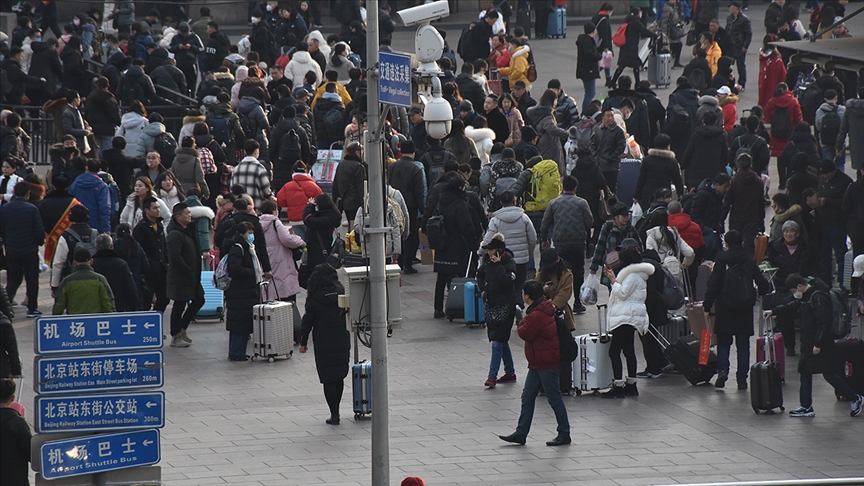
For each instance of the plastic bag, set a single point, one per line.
(589, 289)
(635, 213)
(606, 60)
(634, 148)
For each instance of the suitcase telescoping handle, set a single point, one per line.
(661, 339)
(265, 284)
(601, 309)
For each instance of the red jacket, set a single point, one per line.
(295, 195)
(540, 334)
(772, 71)
(785, 100)
(689, 231)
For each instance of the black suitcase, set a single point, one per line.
(454, 308)
(850, 352)
(684, 355)
(523, 19)
(765, 390)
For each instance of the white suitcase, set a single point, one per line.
(592, 370)
(273, 330)
(660, 70)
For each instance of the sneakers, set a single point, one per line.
(721, 379)
(648, 374)
(856, 406)
(178, 342)
(513, 438)
(802, 412)
(507, 378)
(490, 382)
(742, 385)
(185, 336)
(33, 313)
(670, 368)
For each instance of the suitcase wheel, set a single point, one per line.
(357, 416)
(254, 357)
(577, 391)
(271, 359)
(756, 410)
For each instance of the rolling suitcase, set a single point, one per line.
(676, 328)
(214, 305)
(557, 24)
(684, 355)
(494, 82)
(696, 311)
(659, 70)
(760, 246)
(627, 179)
(851, 354)
(361, 380)
(475, 311)
(766, 392)
(454, 307)
(272, 329)
(777, 343)
(592, 370)
(523, 19)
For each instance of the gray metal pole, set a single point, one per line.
(377, 273)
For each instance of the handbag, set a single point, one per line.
(676, 31)
(692, 36)
(606, 60)
(335, 256)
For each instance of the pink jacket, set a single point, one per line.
(280, 241)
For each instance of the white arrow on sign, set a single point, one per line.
(147, 443)
(149, 363)
(151, 404)
(148, 325)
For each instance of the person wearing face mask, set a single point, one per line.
(812, 303)
(262, 39)
(245, 271)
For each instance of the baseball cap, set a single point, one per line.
(519, 85)
(415, 111)
(724, 90)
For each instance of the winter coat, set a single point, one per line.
(824, 109)
(591, 183)
(587, 57)
(74, 124)
(135, 75)
(332, 342)
(566, 111)
(560, 292)
(730, 321)
(171, 198)
(462, 238)
(498, 123)
(627, 298)
(93, 193)
(84, 292)
(638, 124)
(791, 214)
(656, 112)
(801, 142)
(470, 90)
(116, 272)
(745, 202)
(659, 170)
(18, 80)
(730, 112)
(540, 333)
(283, 163)
(15, 443)
(122, 169)
(549, 134)
(740, 31)
(243, 293)
(184, 263)
(404, 176)
(853, 123)
(259, 125)
(132, 216)
(496, 282)
(570, 219)
(706, 104)
(463, 154)
(75, 76)
(393, 236)
(604, 30)
(611, 236)
(656, 240)
(785, 100)
(10, 360)
(322, 107)
(707, 207)
(833, 191)
(300, 64)
(628, 56)
(759, 151)
(132, 127)
(13, 181)
(216, 50)
(147, 141)
(294, 195)
(705, 155)
(187, 170)
(280, 241)
(483, 140)
(801, 261)
(772, 70)
(684, 100)
(517, 70)
(690, 232)
(607, 145)
(475, 43)
(21, 228)
(320, 225)
(45, 63)
(518, 231)
(816, 313)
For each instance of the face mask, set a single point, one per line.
(798, 295)
(627, 117)
(76, 22)
(250, 239)
(269, 8)
(254, 20)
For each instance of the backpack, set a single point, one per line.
(745, 149)
(73, 239)
(502, 184)
(397, 209)
(841, 318)
(250, 127)
(671, 294)
(435, 231)
(289, 149)
(810, 101)
(166, 145)
(738, 290)
(830, 130)
(220, 128)
(436, 166)
(567, 346)
(221, 279)
(584, 129)
(815, 18)
(620, 37)
(532, 73)
(131, 90)
(545, 185)
(781, 124)
(334, 124)
(697, 79)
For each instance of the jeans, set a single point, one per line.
(237, 344)
(179, 319)
(741, 62)
(18, 269)
(299, 229)
(501, 350)
(805, 392)
(104, 142)
(724, 349)
(574, 256)
(590, 86)
(441, 284)
(548, 379)
(829, 152)
(833, 238)
(622, 341)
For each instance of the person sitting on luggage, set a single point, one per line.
(789, 254)
(731, 288)
(542, 350)
(612, 234)
(495, 277)
(626, 315)
(326, 321)
(243, 293)
(558, 287)
(813, 304)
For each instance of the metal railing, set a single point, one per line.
(789, 482)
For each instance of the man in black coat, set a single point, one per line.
(681, 115)
(216, 48)
(751, 142)
(18, 79)
(227, 229)
(149, 233)
(607, 145)
(744, 202)
(23, 234)
(170, 76)
(832, 189)
(348, 181)
(523, 98)
(121, 166)
(638, 123)
(417, 130)
(656, 111)
(469, 88)
(186, 46)
(184, 273)
(406, 177)
(706, 154)
(476, 41)
(46, 64)
(135, 85)
(116, 271)
(706, 210)
(739, 29)
(15, 439)
(117, 64)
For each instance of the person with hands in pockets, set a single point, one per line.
(813, 304)
(496, 277)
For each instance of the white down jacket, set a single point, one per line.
(483, 138)
(518, 231)
(627, 299)
(300, 64)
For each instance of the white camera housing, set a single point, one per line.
(424, 14)
(438, 114)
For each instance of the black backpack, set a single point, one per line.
(220, 128)
(697, 80)
(781, 124)
(334, 124)
(289, 150)
(746, 148)
(131, 91)
(166, 145)
(738, 290)
(810, 101)
(436, 166)
(830, 130)
(567, 346)
(435, 231)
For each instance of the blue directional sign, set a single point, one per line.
(99, 372)
(100, 413)
(394, 79)
(99, 453)
(98, 332)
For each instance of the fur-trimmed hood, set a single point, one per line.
(729, 100)
(478, 134)
(193, 119)
(202, 212)
(644, 270)
(661, 153)
(790, 213)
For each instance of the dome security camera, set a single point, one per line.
(438, 115)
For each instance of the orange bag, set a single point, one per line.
(761, 244)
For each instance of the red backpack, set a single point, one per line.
(620, 37)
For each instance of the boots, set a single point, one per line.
(630, 388)
(617, 390)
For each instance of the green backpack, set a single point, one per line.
(545, 185)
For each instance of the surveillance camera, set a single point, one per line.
(423, 14)
(438, 114)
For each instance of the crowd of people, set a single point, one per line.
(127, 216)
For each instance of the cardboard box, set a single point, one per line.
(427, 255)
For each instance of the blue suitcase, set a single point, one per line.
(557, 24)
(627, 179)
(361, 378)
(214, 306)
(475, 312)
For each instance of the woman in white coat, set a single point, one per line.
(626, 315)
(133, 213)
(132, 126)
(8, 181)
(675, 254)
(300, 64)
(483, 138)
